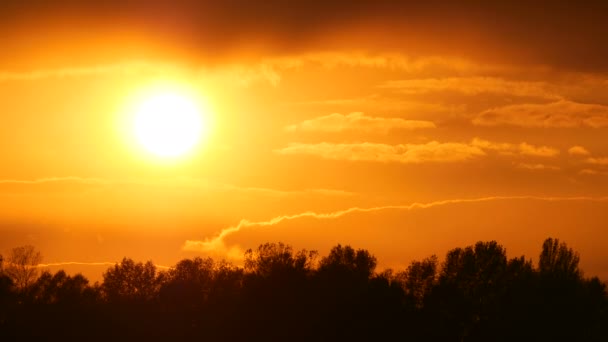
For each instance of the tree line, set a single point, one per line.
(475, 294)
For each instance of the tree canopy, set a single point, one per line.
(476, 293)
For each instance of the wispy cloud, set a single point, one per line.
(356, 122)
(594, 165)
(537, 151)
(537, 167)
(405, 153)
(269, 69)
(47, 180)
(120, 68)
(394, 61)
(578, 151)
(433, 151)
(55, 184)
(602, 161)
(523, 148)
(565, 114)
(473, 86)
(217, 244)
(377, 102)
(593, 172)
(72, 182)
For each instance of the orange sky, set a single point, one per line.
(405, 129)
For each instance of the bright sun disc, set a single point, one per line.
(168, 125)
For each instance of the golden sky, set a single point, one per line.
(403, 128)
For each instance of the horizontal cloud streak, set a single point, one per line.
(56, 180)
(578, 151)
(406, 153)
(213, 29)
(357, 122)
(473, 86)
(523, 148)
(378, 102)
(433, 151)
(593, 172)
(216, 244)
(71, 182)
(537, 167)
(564, 114)
(124, 68)
(603, 161)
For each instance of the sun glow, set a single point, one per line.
(169, 124)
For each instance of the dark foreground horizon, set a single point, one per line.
(475, 294)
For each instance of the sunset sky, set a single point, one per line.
(406, 128)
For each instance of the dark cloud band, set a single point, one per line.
(567, 35)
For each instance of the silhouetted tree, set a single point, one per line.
(276, 279)
(419, 279)
(345, 260)
(6, 298)
(131, 281)
(189, 282)
(21, 265)
(557, 260)
(58, 288)
(344, 293)
(228, 280)
(277, 258)
(561, 291)
(469, 288)
(513, 316)
(282, 294)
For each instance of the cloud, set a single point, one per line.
(432, 151)
(537, 151)
(473, 86)
(68, 179)
(599, 165)
(578, 151)
(216, 244)
(53, 184)
(376, 101)
(120, 68)
(602, 161)
(439, 112)
(565, 114)
(537, 167)
(405, 153)
(523, 148)
(267, 69)
(71, 183)
(357, 122)
(383, 60)
(284, 193)
(215, 29)
(593, 172)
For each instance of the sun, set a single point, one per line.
(169, 124)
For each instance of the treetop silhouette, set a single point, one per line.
(475, 294)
